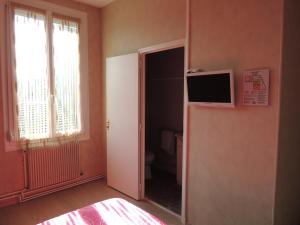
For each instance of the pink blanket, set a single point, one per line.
(113, 211)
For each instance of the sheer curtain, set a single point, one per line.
(47, 73)
(67, 75)
(31, 74)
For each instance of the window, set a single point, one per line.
(32, 107)
(47, 73)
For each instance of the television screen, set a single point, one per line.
(208, 88)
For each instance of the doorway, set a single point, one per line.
(163, 132)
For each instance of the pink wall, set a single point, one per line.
(133, 24)
(93, 157)
(233, 152)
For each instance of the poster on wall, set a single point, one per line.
(256, 87)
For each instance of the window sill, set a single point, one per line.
(12, 146)
(84, 137)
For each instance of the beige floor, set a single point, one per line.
(41, 209)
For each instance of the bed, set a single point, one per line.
(115, 211)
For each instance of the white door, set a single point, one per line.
(122, 99)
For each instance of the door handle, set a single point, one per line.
(107, 124)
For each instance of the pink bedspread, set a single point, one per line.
(113, 211)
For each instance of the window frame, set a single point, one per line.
(12, 143)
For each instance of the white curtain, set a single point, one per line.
(31, 74)
(67, 75)
(40, 117)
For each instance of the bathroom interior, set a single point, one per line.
(164, 128)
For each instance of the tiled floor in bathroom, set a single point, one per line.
(163, 189)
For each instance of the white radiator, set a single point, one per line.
(49, 165)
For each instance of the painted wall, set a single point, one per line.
(11, 164)
(287, 204)
(232, 152)
(133, 24)
(92, 151)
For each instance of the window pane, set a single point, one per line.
(67, 76)
(31, 74)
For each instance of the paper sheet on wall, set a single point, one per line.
(256, 87)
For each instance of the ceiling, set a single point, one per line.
(97, 3)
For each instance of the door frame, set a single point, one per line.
(142, 99)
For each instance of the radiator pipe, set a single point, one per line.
(21, 194)
(25, 163)
(9, 195)
(44, 192)
(40, 192)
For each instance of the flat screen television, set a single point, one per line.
(214, 88)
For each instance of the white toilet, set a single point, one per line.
(149, 158)
(167, 141)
